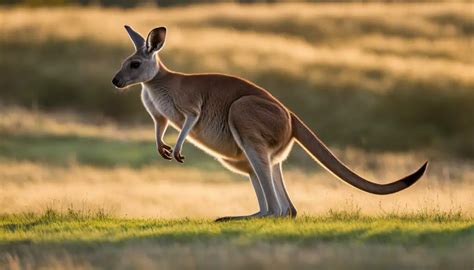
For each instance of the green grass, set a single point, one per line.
(79, 228)
(98, 241)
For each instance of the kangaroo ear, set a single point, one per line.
(136, 38)
(156, 39)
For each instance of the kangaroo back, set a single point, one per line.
(321, 153)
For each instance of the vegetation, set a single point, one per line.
(83, 238)
(97, 227)
(382, 72)
(62, 160)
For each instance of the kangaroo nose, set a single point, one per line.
(115, 81)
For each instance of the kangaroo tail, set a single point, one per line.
(320, 152)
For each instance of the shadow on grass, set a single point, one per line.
(240, 233)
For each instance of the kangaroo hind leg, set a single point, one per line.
(262, 203)
(260, 162)
(287, 207)
(259, 127)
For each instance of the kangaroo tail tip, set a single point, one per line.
(417, 175)
(424, 167)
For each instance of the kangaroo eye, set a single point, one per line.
(135, 64)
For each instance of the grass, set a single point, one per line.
(63, 159)
(178, 192)
(77, 227)
(63, 150)
(381, 70)
(74, 237)
(155, 214)
(63, 138)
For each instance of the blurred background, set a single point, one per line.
(386, 85)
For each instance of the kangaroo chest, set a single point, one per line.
(159, 101)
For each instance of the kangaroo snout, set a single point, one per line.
(117, 82)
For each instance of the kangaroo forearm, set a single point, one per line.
(189, 123)
(161, 124)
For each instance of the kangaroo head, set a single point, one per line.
(143, 64)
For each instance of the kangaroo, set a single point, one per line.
(239, 123)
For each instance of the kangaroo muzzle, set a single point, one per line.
(118, 82)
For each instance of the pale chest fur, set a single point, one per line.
(159, 102)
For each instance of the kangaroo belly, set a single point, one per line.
(215, 138)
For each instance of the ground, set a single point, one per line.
(333, 241)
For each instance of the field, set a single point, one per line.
(387, 86)
(67, 208)
(78, 241)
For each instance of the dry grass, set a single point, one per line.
(18, 121)
(185, 192)
(168, 190)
